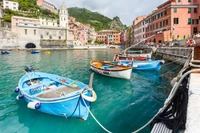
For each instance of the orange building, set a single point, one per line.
(109, 36)
(173, 20)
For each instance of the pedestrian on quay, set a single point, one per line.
(190, 43)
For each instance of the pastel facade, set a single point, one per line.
(46, 5)
(1, 13)
(10, 5)
(139, 29)
(34, 29)
(47, 22)
(173, 20)
(73, 25)
(123, 37)
(109, 36)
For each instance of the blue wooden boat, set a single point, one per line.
(144, 65)
(34, 52)
(5, 52)
(55, 95)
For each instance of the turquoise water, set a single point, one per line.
(122, 106)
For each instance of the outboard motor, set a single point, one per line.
(28, 69)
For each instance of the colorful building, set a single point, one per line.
(109, 36)
(43, 29)
(173, 20)
(46, 5)
(123, 38)
(139, 29)
(10, 5)
(1, 13)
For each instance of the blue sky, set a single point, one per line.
(127, 10)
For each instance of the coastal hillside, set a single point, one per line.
(98, 21)
(82, 15)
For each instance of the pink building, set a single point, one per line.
(139, 29)
(82, 35)
(173, 20)
(46, 5)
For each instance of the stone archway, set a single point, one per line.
(30, 45)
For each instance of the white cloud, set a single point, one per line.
(127, 10)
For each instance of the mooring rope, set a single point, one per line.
(95, 117)
(168, 100)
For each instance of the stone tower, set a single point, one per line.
(63, 16)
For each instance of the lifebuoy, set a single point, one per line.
(93, 98)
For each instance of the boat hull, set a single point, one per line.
(69, 107)
(54, 95)
(126, 74)
(146, 65)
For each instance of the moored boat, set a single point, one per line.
(34, 52)
(5, 52)
(145, 65)
(111, 69)
(124, 57)
(55, 95)
(47, 52)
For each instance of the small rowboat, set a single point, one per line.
(5, 52)
(111, 70)
(47, 52)
(55, 95)
(145, 65)
(34, 52)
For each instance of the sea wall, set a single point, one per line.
(175, 54)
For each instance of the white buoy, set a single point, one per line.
(34, 105)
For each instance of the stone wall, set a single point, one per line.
(53, 44)
(176, 54)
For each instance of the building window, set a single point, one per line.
(46, 23)
(160, 24)
(59, 37)
(179, 0)
(50, 37)
(34, 32)
(42, 23)
(195, 10)
(25, 31)
(167, 22)
(189, 0)
(163, 23)
(156, 25)
(189, 10)
(175, 20)
(175, 10)
(189, 20)
(41, 36)
(165, 12)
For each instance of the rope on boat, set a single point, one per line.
(171, 62)
(95, 117)
(171, 95)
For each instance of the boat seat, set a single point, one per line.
(160, 128)
(58, 92)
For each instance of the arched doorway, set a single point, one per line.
(30, 45)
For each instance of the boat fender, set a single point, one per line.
(20, 96)
(34, 105)
(162, 61)
(17, 89)
(88, 98)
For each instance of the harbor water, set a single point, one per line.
(122, 106)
